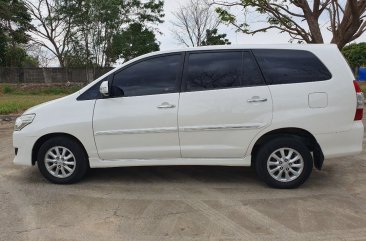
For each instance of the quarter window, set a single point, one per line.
(290, 66)
(148, 77)
(93, 92)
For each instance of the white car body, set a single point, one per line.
(213, 127)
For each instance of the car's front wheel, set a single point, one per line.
(284, 162)
(62, 160)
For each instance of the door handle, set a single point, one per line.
(256, 99)
(166, 105)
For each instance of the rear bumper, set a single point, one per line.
(24, 144)
(343, 143)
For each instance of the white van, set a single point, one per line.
(279, 108)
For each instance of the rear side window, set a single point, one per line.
(214, 70)
(290, 66)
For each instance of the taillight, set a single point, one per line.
(360, 101)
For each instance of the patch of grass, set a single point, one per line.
(13, 104)
(16, 98)
(52, 90)
(39, 89)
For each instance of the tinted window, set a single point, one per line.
(291, 66)
(148, 77)
(252, 75)
(213, 70)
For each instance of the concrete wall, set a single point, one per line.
(50, 75)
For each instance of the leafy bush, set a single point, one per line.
(355, 54)
(7, 89)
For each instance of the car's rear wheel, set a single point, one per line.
(62, 160)
(284, 162)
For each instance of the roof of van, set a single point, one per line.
(254, 46)
(311, 47)
(249, 46)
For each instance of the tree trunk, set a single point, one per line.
(61, 61)
(350, 24)
(316, 35)
(312, 19)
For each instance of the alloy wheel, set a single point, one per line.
(285, 164)
(60, 162)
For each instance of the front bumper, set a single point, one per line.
(24, 144)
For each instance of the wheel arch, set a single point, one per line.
(301, 134)
(37, 145)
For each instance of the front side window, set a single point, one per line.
(213, 70)
(290, 66)
(157, 75)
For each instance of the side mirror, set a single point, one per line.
(104, 89)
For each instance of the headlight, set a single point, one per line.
(23, 121)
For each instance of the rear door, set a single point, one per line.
(223, 105)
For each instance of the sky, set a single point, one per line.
(167, 40)
(271, 37)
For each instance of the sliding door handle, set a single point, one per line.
(256, 99)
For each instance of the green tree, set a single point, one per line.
(213, 38)
(14, 24)
(355, 55)
(96, 24)
(15, 56)
(76, 56)
(132, 42)
(302, 20)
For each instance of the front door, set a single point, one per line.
(223, 105)
(140, 120)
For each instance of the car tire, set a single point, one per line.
(284, 162)
(62, 160)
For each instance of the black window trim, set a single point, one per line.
(242, 51)
(178, 77)
(264, 81)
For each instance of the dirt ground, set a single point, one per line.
(181, 203)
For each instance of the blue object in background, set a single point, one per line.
(362, 74)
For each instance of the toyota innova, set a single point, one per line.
(280, 108)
